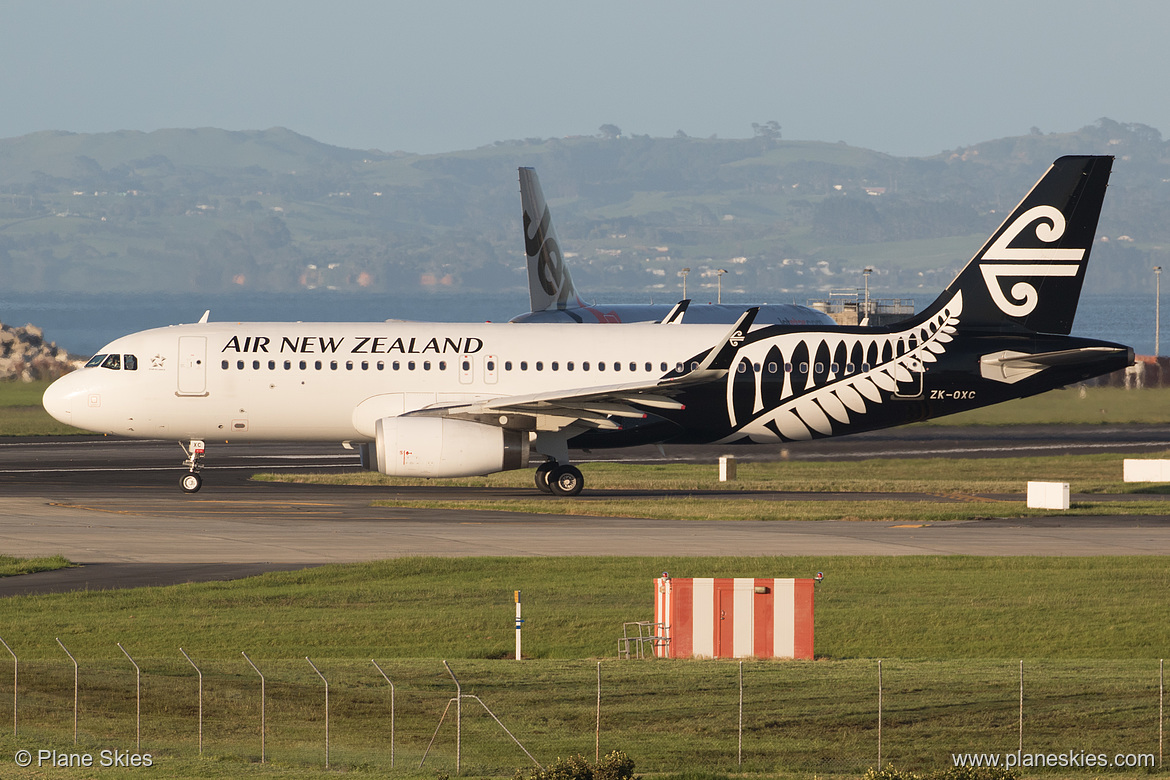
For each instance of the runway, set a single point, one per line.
(115, 505)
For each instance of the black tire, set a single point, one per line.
(566, 480)
(542, 473)
(191, 482)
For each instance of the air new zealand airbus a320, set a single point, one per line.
(455, 399)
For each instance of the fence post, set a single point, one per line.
(184, 652)
(15, 674)
(1021, 705)
(597, 731)
(879, 761)
(137, 700)
(74, 660)
(375, 663)
(741, 713)
(458, 718)
(262, 724)
(318, 671)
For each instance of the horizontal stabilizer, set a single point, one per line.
(1011, 367)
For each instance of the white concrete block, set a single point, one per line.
(1048, 495)
(1134, 470)
(726, 468)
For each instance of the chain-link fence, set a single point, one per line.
(491, 717)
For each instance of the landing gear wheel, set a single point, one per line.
(191, 483)
(542, 474)
(566, 480)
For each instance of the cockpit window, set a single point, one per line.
(113, 362)
(96, 360)
(130, 362)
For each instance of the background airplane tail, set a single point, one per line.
(1029, 273)
(549, 284)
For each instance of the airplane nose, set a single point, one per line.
(59, 398)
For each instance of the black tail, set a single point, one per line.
(1029, 273)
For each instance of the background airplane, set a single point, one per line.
(554, 298)
(454, 399)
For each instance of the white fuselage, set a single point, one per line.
(332, 381)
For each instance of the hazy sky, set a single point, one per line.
(907, 77)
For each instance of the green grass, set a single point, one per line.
(11, 566)
(951, 632)
(21, 413)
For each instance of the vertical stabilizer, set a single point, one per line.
(549, 284)
(1029, 273)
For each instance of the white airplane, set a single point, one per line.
(446, 400)
(554, 298)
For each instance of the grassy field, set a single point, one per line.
(951, 632)
(10, 566)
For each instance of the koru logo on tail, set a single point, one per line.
(1028, 261)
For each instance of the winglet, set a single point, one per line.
(721, 356)
(675, 315)
(205, 317)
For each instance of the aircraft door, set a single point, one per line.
(192, 365)
(912, 390)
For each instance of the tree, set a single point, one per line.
(610, 131)
(769, 130)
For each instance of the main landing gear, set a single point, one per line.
(559, 479)
(191, 481)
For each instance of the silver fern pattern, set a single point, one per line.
(797, 387)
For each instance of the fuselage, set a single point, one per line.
(330, 381)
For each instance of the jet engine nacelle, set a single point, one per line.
(442, 447)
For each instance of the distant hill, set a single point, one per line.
(212, 210)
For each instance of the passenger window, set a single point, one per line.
(255, 365)
(787, 368)
(317, 364)
(332, 365)
(742, 368)
(426, 365)
(772, 368)
(396, 365)
(96, 360)
(694, 365)
(365, 365)
(303, 365)
(523, 365)
(663, 367)
(240, 365)
(617, 366)
(834, 368)
(678, 367)
(556, 366)
(381, 366)
(540, 365)
(507, 365)
(601, 365)
(130, 362)
(804, 368)
(349, 365)
(442, 365)
(585, 366)
(287, 365)
(410, 365)
(649, 366)
(491, 365)
(569, 366)
(113, 362)
(633, 366)
(224, 365)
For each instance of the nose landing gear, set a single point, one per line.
(191, 481)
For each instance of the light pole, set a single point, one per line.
(683, 273)
(719, 283)
(868, 270)
(1157, 309)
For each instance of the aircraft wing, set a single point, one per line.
(595, 406)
